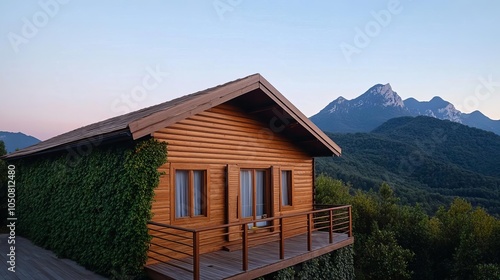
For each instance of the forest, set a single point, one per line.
(425, 160)
(396, 241)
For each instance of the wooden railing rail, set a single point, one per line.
(335, 220)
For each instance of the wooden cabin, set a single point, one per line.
(236, 198)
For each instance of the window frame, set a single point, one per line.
(291, 190)
(174, 167)
(268, 187)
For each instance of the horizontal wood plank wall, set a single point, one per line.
(227, 135)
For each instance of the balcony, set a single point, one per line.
(206, 253)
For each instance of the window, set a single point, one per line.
(286, 188)
(255, 195)
(190, 193)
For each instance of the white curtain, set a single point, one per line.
(260, 184)
(181, 193)
(285, 188)
(199, 203)
(246, 193)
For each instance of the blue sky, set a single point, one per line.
(65, 64)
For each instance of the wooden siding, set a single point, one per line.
(226, 136)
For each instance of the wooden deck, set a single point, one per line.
(263, 259)
(33, 262)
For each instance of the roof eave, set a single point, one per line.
(219, 95)
(279, 98)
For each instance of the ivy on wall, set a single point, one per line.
(96, 212)
(338, 265)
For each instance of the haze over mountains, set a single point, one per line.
(16, 140)
(380, 104)
(426, 160)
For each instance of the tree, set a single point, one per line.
(330, 191)
(3, 151)
(383, 258)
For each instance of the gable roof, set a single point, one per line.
(265, 98)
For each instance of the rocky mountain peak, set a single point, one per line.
(380, 103)
(383, 95)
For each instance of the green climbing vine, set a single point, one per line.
(96, 211)
(338, 265)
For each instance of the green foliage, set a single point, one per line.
(394, 241)
(487, 272)
(3, 151)
(330, 191)
(337, 265)
(383, 258)
(342, 263)
(96, 212)
(285, 274)
(466, 238)
(425, 160)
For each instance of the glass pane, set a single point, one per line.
(286, 187)
(181, 193)
(246, 193)
(199, 191)
(260, 184)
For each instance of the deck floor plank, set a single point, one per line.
(227, 264)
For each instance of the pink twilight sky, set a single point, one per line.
(66, 64)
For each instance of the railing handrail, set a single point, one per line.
(208, 228)
(311, 225)
(170, 226)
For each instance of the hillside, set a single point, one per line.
(426, 160)
(16, 140)
(380, 104)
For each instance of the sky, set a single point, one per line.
(65, 64)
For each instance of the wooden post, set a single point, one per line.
(245, 247)
(282, 240)
(330, 232)
(196, 255)
(309, 231)
(350, 221)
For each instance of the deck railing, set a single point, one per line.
(186, 242)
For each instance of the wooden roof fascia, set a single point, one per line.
(144, 122)
(93, 141)
(294, 112)
(159, 120)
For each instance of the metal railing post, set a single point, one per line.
(350, 221)
(245, 247)
(330, 231)
(196, 255)
(309, 231)
(282, 240)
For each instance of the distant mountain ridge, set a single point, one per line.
(426, 160)
(17, 140)
(380, 103)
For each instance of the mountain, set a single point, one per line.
(427, 160)
(380, 103)
(364, 113)
(16, 140)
